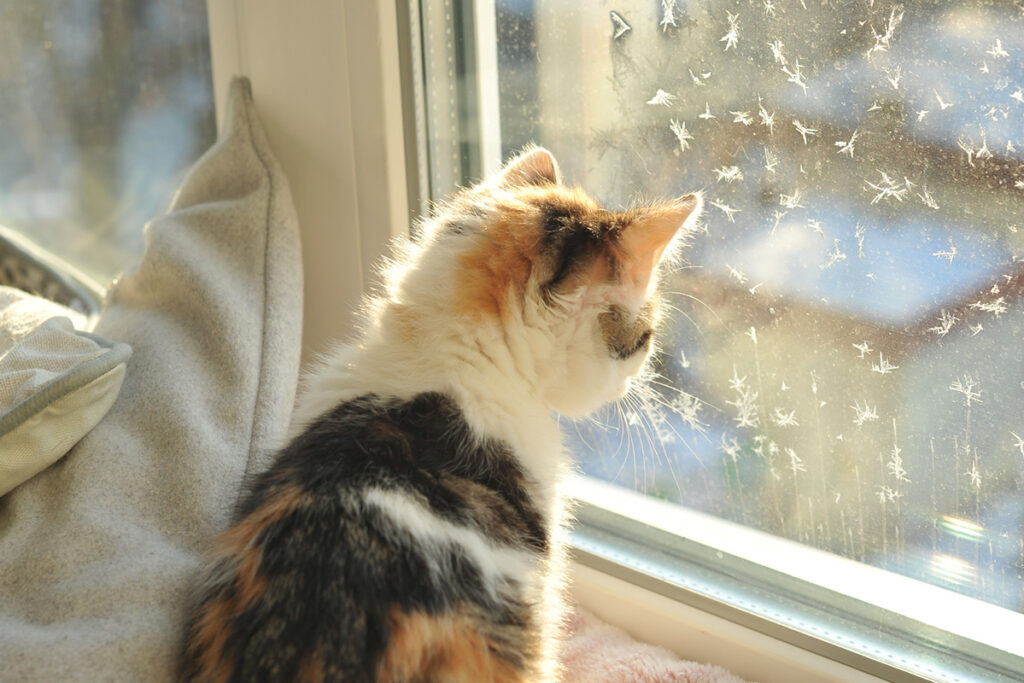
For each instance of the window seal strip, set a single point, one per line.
(814, 618)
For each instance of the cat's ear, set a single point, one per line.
(644, 240)
(534, 166)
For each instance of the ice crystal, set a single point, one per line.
(882, 41)
(795, 463)
(863, 348)
(972, 151)
(846, 146)
(729, 174)
(974, 475)
(707, 115)
(682, 135)
(791, 201)
(1020, 443)
(887, 495)
(887, 188)
(858, 233)
(864, 413)
(795, 76)
(776, 48)
(803, 130)
(767, 120)
(731, 448)
(997, 50)
(997, 307)
(771, 160)
(687, 408)
(668, 17)
(926, 197)
(949, 254)
(745, 403)
(663, 98)
(619, 25)
(1018, 95)
(942, 105)
(834, 256)
(894, 77)
(783, 419)
(726, 209)
(742, 117)
(732, 37)
(895, 465)
(966, 385)
(769, 7)
(736, 274)
(883, 367)
(946, 322)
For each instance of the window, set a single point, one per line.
(841, 391)
(104, 106)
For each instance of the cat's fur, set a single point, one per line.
(411, 529)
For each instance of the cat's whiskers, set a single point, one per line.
(698, 300)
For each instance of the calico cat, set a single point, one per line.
(411, 530)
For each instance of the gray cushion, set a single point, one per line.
(97, 553)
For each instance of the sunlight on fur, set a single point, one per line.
(429, 445)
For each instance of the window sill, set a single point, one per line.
(680, 574)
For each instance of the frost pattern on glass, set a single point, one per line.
(845, 359)
(103, 106)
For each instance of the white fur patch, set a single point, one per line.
(497, 564)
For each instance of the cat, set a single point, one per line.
(412, 527)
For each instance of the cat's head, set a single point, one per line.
(567, 289)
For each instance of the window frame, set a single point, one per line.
(332, 86)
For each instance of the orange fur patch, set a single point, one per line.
(498, 266)
(214, 621)
(311, 670)
(443, 647)
(283, 500)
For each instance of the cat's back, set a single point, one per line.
(386, 543)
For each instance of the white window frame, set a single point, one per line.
(327, 80)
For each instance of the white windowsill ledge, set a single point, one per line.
(657, 619)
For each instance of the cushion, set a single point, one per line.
(597, 652)
(56, 383)
(98, 553)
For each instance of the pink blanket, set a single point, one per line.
(599, 653)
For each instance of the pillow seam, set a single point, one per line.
(64, 384)
(271, 188)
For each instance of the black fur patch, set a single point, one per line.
(573, 237)
(332, 568)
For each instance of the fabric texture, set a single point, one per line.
(56, 383)
(99, 551)
(599, 653)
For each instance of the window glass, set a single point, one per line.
(844, 363)
(104, 105)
